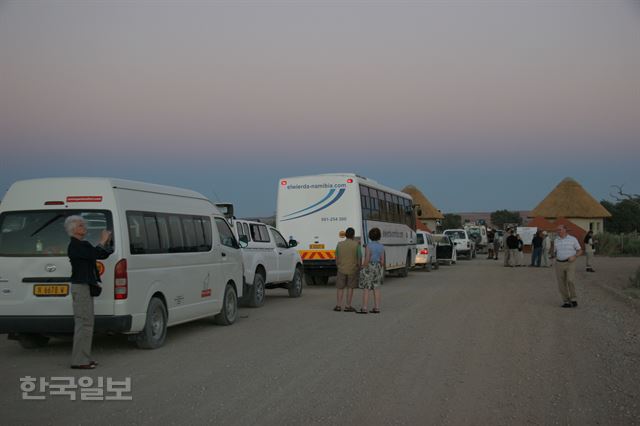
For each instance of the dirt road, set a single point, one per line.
(469, 344)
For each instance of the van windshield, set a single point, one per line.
(41, 233)
(419, 239)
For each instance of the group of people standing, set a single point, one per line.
(356, 271)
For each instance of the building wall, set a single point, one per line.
(595, 224)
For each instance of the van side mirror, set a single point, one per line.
(292, 243)
(242, 243)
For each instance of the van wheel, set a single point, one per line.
(295, 286)
(33, 341)
(154, 332)
(229, 312)
(257, 291)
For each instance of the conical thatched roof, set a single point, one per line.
(428, 210)
(569, 199)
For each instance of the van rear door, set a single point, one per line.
(34, 267)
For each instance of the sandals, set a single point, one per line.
(349, 309)
(337, 308)
(375, 311)
(361, 311)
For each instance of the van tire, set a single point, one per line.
(154, 332)
(295, 286)
(33, 340)
(229, 312)
(257, 291)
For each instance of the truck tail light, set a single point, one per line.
(424, 251)
(120, 281)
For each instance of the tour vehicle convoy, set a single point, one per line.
(425, 251)
(269, 261)
(175, 258)
(463, 243)
(316, 211)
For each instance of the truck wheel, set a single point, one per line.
(257, 291)
(154, 332)
(295, 286)
(33, 340)
(229, 312)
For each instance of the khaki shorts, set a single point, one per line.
(344, 280)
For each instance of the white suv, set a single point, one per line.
(269, 261)
(465, 246)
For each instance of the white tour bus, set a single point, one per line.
(175, 258)
(316, 210)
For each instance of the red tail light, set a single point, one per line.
(120, 281)
(424, 251)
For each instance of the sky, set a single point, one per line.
(483, 105)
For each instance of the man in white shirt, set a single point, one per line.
(566, 249)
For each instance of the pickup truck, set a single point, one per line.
(463, 243)
(269, 261)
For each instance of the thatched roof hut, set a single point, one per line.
(428, 209)
(571, 201)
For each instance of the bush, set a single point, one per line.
(618, 245)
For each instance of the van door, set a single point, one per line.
(35, 273)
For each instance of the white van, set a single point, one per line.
(175, 258)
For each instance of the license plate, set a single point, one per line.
(51, 290)
(316, 246)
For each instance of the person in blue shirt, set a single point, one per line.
(372, 272)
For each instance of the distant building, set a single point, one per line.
(571, 201)
(430, 216)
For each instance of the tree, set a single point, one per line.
(625, 216)
(451, 221)
(500, 217)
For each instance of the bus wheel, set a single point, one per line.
(404, 272)
(154, 332)
(33, 341)
(295, 286)
(229, 312)
(256, 293)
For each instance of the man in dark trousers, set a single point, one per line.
(536, 253)
(512, 246)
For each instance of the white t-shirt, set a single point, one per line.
(566, 247)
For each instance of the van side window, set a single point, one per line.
(189, 233)
(151, 233)
(246, 231)
(226, 236)
(206, 224)
(137, 239)
(176, 234)
(153, 237)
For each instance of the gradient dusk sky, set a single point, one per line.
(483, 105)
